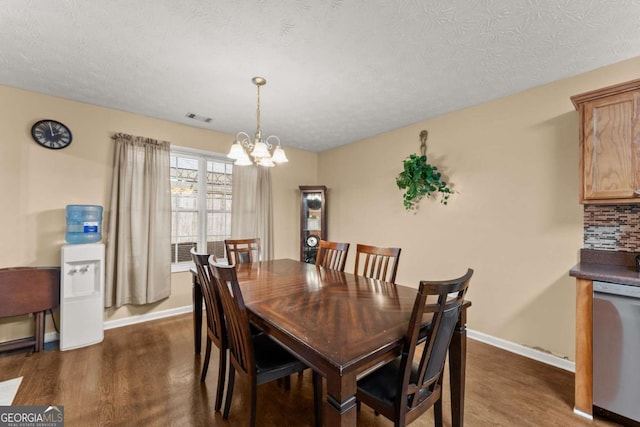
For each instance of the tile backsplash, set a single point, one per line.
(612, 227)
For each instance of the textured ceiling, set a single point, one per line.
(337, 71)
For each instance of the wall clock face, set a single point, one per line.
(312, 241)
(51, 134)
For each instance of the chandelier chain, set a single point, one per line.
(259, 130)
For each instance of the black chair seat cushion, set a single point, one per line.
(273, 361)
(382, 384)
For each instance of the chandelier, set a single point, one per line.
(259, 148)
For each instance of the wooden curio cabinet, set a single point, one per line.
(610, 144)
(313, 220)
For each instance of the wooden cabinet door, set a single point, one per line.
(313, 220)
(611, 148)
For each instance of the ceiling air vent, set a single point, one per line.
(198, 117)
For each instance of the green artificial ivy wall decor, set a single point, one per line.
(419, 179)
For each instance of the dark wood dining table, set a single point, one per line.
(340, 324)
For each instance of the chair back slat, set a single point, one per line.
(237, 318)
(243, 251)
(418, 384)
(377, 263)
(214, 314)
(332, 255)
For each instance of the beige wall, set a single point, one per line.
(515, 217)
(36, 184)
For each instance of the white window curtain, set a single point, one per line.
(252, 207)
(138, 259)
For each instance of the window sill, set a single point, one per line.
(187, 266)
(182, 267)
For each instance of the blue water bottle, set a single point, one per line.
(84, 224)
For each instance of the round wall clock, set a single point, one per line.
(51, 134)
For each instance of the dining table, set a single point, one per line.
(340, 324)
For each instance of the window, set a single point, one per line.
(200, 204)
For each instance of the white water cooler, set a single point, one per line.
(81, 295)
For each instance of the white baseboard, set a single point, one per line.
(583, 414)
(51, 337)
(522, 350)
(132, 320)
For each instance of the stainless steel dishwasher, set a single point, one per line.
(616, 350)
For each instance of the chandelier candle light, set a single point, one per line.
(260, 148)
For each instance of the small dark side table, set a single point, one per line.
(25, 290)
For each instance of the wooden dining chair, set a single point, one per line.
(257, 357)
(377, 263)
(332, 255)
(402, 390)
(243, 251)
(216, 331)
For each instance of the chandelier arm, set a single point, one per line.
(245, 140)
(244, 134)
(269, 145)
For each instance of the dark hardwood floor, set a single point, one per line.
(148, 375)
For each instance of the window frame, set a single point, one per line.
(202, 156)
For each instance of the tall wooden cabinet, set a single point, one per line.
(313, 220)
(610, 144)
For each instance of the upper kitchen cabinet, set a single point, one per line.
(610, 144)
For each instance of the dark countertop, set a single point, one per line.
(607, 266)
